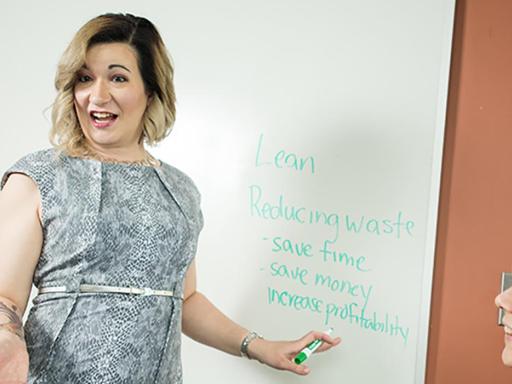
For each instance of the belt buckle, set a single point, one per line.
(147, 291)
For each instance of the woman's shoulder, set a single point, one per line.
(39, 165)
(178, 177)
(184, 190)
(39, 158)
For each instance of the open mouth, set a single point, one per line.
(102, 119)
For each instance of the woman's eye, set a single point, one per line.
(119, 79)
(83, 78)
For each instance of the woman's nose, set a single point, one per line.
(100, 93)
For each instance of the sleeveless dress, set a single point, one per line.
(109, 224)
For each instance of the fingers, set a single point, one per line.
(281, 354)
(314, 335)
(326, 346)
(327, 341)
(301, 369)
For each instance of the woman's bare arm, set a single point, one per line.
(200, 317)
(203, 322)
(21, 238)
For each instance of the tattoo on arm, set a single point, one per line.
(13, 323)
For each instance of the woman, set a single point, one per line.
(504, 300)
(107, 232)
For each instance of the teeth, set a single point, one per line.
(508, 330)
(102, 115)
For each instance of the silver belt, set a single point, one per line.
(91, 288)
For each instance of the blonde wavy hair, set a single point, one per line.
(154, 65)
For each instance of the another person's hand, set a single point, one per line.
(280, 354)
(13, 359)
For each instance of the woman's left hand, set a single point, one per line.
(280, 354)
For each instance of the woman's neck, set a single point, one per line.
(135, 153)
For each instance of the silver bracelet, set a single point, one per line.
(246, 341)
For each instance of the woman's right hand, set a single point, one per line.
(13, 359)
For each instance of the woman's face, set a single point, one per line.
(110, 99)
(504, 300)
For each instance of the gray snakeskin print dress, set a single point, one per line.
(109, 224)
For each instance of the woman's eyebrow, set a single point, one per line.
(110, 67)
(118, 65)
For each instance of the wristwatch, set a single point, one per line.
(246, 341)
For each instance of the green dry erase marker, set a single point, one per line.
(312, 347)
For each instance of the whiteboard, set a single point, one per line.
(314, 131)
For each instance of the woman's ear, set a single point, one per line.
(150, 99)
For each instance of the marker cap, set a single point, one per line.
(312, 347)
(299, 359)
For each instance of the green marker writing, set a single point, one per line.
(312, 347)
